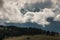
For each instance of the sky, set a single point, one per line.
(31, 12)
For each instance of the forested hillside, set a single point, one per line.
(13, 31)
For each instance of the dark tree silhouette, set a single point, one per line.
(57, 33)
(2, 36)
(10, 31)
(52, 33)
(48, 33)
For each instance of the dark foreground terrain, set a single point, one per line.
(35, 37)
(18, 33)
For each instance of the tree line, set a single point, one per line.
(10, 31)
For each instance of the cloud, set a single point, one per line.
(57, 18)
(35, 12)
(1, 3)
(41, 17)
(36, 7)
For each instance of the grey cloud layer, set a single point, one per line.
(36, 7)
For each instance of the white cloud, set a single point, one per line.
(57, 18)
(41, 17)
(11, 13)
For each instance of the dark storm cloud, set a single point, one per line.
(36, 7)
